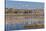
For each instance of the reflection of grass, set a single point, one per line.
(34, 26)
(38, 18)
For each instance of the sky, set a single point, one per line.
(29, 0)
(24, 4)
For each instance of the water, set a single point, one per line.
(14, 26)
(20, 25)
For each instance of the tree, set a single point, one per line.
(9, 10)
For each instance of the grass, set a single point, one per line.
(34, 26)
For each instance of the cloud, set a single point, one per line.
(25, 5)
(29, 0)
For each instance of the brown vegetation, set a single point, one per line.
(34, 26)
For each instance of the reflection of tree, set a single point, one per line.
(39, 22)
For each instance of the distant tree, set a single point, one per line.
(30, 11)
(6, 9)
(9, 10)
(26, 11)
(15, 12)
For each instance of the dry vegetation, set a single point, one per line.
(34, 26)
(19, 14)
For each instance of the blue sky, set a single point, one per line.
(24, 4)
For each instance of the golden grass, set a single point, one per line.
(34, 26)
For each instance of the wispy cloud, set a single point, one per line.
(29, 0)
